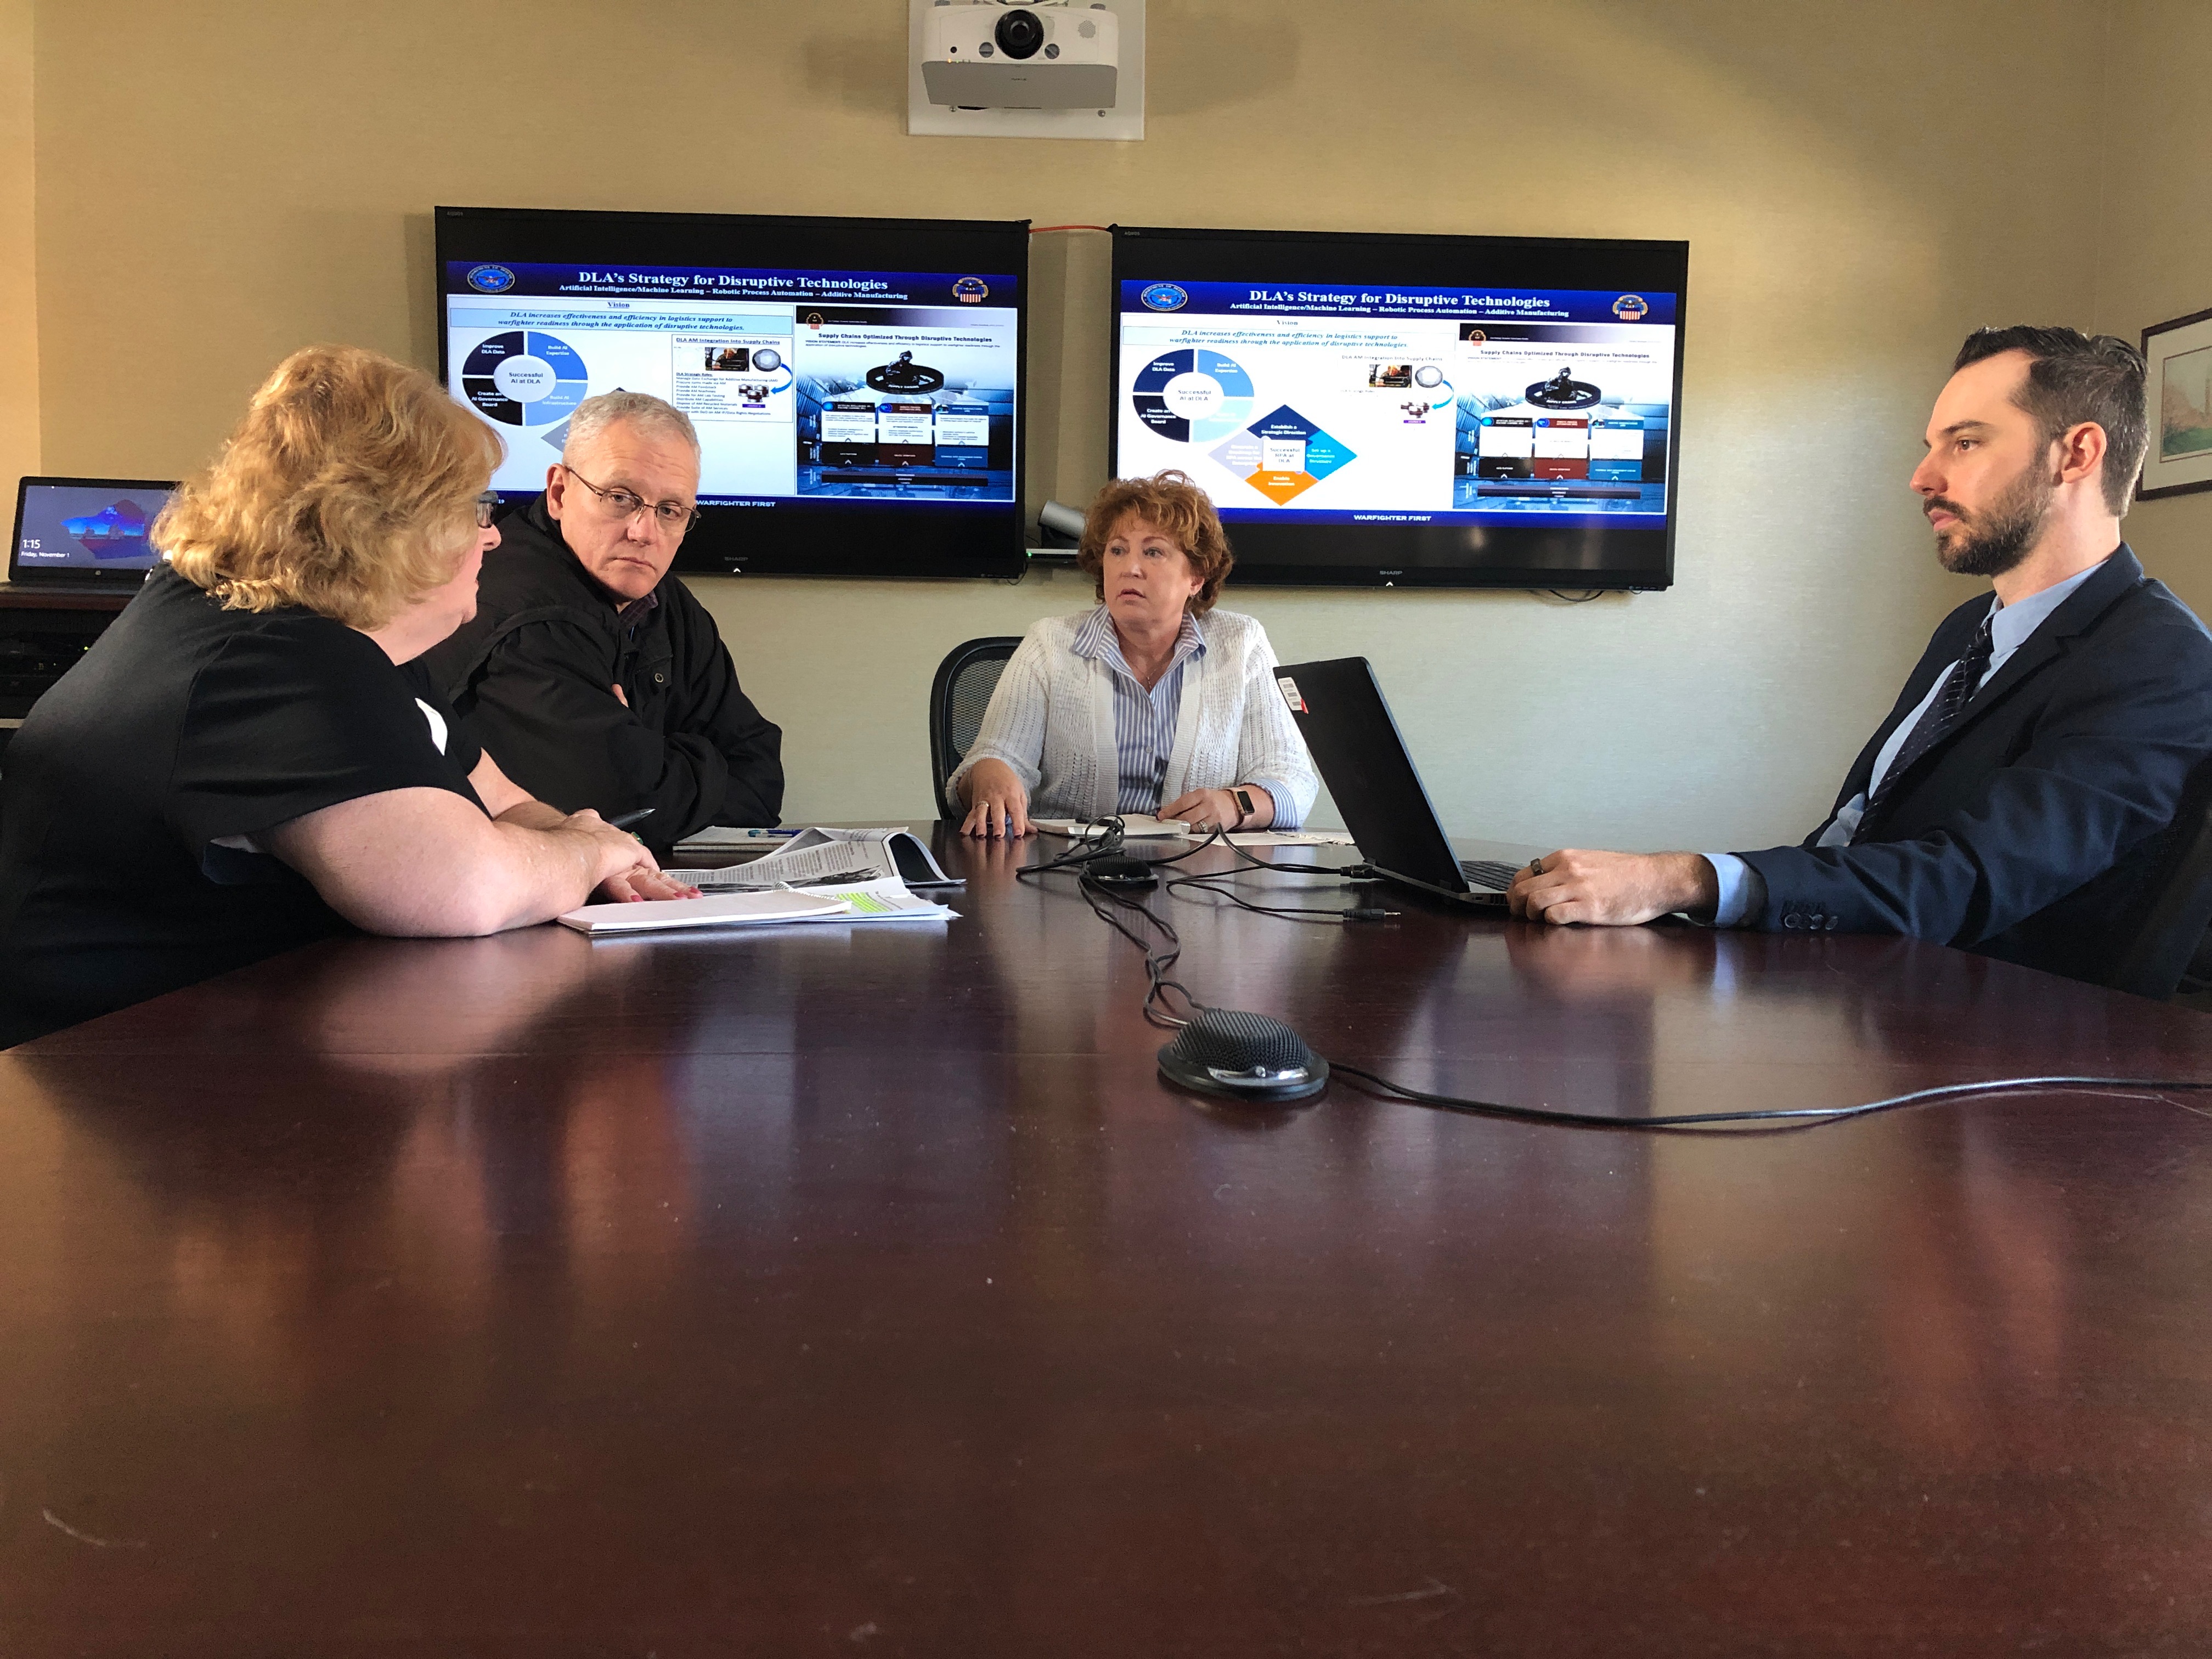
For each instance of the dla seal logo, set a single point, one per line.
(491, 279)
(1630, 308)
(1164, 296)
(970, 290)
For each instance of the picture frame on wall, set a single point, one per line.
(2179, 354)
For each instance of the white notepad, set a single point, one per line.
(1135, 826)
(715, 910)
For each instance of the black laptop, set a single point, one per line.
(85, 535)
(1346, 725)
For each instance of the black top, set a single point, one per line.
(532, 676)
(184, 726)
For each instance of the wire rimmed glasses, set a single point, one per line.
(625, 505)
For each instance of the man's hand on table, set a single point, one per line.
(1617, 890)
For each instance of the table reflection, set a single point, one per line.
(669, 1273)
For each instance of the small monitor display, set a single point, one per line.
(86, 527)
(855, 383)
(1449, 410)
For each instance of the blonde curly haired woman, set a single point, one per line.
(241, 764)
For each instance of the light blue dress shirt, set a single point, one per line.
(1743, 890)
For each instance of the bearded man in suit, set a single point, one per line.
(2017, 796)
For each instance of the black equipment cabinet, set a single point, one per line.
(42, 636)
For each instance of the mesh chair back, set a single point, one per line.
(966, 680)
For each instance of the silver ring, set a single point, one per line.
(1535, 866)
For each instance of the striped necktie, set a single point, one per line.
(1936, 724)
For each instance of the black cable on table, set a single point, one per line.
(1104, 901)
(1802, 1117)
(1313, 914)
(1784, 1118)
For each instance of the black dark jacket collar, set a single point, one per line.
(2076, 614)
(2081, 610)
(541, 536)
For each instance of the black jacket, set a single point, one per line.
(532, 679)
(2037, 819)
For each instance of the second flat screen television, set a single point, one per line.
(1466, 411)
(855, 383)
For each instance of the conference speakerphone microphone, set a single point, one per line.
(1239, 1055)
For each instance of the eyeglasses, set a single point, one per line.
(625, 505)
(486, 504)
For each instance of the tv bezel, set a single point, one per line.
(1433, 555)
(848, 540)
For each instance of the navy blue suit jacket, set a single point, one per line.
(2039, 815)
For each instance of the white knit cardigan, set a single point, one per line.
(1051, 718)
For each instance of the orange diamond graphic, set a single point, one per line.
(1279, 487)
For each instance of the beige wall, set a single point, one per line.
(1860, 183)
(18, 309)
(2155, 243)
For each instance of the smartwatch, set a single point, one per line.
(1244, 799)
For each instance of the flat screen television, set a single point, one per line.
(856, 382)
(1442, 411)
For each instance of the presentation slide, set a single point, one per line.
(73, 527)
(905, 392)
(1380, 404)
(881, 385)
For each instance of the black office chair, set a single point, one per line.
(966, 680)
(2162, 944)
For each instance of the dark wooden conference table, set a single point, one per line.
(852, 1290)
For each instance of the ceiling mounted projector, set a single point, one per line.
(989, 55)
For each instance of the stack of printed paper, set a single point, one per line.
(815, 856)
(710, 910)
(887, 900)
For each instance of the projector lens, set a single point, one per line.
(1018, 35)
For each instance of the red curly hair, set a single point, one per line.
(1168, 500)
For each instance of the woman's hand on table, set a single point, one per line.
(626, 870)
(1202, 809)
(997, 804)
(642, 883)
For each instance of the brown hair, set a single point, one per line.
(348, 489)
(1172, 503)
(2073, 380)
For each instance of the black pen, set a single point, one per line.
(629, 818)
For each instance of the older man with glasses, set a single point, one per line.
(590, 672)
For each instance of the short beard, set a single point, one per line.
(1993, 541)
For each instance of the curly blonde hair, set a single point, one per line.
(349, 489)
(1168, 500)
